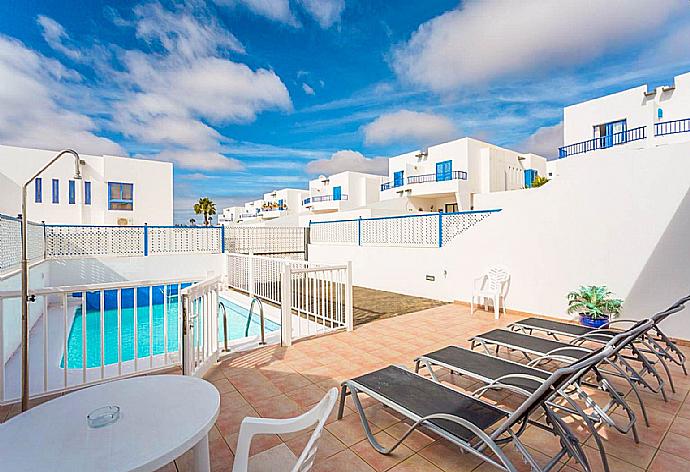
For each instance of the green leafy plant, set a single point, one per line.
(539, 181)
(206, 207)
(594, 302)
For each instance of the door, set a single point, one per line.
(337, 193)
(451, 207)
(444, 171)
(398, 178)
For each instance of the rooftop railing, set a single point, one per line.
(672, 127)
(604, 142)
(324, 198)
(418, 179)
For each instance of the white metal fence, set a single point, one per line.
(82, 335)
(424, 230)
(80, 241)
(314, 298)
(11, 242)
(200, 326)
(180, 240)
(265, 240)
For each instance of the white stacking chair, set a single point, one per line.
(252, 426)
(492, 285)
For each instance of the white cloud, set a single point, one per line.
(481, 41)
(32, 104)
(307, 89)
(275, 10)
(409, 127)
(545, 141)
(56, 37)
(348, 160)
(325, 12)
(197, 160)
(174, 96)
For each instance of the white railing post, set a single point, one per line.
(349, 315)
(250, 275)
(2, 355)
(286, 306)
(186, 351)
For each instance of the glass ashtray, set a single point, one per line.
(103, 416)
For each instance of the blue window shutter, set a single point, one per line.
(444, 171)
(72, 192)
(38, 190)
(87, 193)
(56, 191)
(337, 193)
(398, 178)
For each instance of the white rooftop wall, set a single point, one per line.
(623, 221)
(152, 180)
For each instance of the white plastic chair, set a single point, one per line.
(492, 285)
(251, 426)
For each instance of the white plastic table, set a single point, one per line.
(161, 417)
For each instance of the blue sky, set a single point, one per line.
(247, 96)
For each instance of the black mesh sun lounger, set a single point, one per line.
(471, 423)
(659, 344)
(495, 371)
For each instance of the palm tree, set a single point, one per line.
(192, 221)
(206, 207)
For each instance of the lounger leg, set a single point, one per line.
(592, 429)
(341, 406)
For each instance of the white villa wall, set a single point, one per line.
(623, 221)
(361, 189)
(153, 190)
(638, 105)
(489, 168)
(11, 193)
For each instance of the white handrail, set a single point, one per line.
(96, 287)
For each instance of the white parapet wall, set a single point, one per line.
(621, 219)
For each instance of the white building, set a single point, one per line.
(341, 192)
(634, 118)
(445, 177)
(113, 190)
(275, 204)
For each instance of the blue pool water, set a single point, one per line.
(147, 338)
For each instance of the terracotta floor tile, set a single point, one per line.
(306, 396)
(381, 416)
(276, 458)
(415, 441)
(379, 461)
(415, 463)
(349, 430)
(280, 406)
(449, 457)
(260, 442)
(677, 445)
(329, 445)
(665, 462)
(344, 461)
(290, 382)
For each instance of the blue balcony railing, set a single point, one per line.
(672, 127)
(454, 175)
(323, 198)
(604, 142)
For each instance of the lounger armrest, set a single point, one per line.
(499, 383)
(618, 322)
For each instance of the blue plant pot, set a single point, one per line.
(595, 323)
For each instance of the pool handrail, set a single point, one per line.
(261, 319)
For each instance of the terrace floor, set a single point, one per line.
(283, 382)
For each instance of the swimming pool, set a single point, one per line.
(149, 340)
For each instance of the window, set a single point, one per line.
(451, 207)
(337, 193)
(398, 178)
(611, 133)
(444, 171)
(120, 196)
(87, 193)
(38, 190)
(72, 192)
(56, 191)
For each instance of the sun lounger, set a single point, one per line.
(471, 423)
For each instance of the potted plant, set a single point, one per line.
(594, 304)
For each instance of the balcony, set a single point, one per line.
(418, 179)
(672, 127)
(604, 142)
(323, 198)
